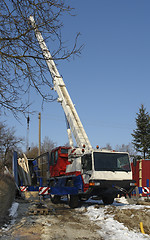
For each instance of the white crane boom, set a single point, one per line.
(73, 119)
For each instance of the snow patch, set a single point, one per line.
(111, 229)
(13, 209)
(13, 215)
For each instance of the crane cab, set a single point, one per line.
(58, 161)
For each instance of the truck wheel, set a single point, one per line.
(108, 200)
(73, 201)
(83, 198)
(55, 198)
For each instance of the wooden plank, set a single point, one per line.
(39, 211)
(22, 172)
(27, 169)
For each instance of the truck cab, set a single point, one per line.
(105, 173)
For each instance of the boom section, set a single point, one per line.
(73, 119)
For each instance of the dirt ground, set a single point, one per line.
(65, 223)
(7, 195)
(131, 218)
(61, 223)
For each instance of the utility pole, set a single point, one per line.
(28, 120)
(39, 152)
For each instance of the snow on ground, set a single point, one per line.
(12, 214)
(111, 229)
(13, 209)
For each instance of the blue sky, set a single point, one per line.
(108, 82)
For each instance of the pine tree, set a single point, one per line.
(141, 134)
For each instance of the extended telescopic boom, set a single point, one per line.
(63, 95)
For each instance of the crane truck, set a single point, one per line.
(81, 172)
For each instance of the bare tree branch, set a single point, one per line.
(21, 61)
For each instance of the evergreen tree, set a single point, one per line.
(141, 134)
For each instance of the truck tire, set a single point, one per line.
(83, 198)
(55, 198)
(73, 201)
(107, 200)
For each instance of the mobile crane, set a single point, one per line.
(82, 172)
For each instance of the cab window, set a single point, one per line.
(87, 162)
(64, 150)
(52, 159)
(56, 156)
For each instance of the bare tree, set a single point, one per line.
(126, 148)
(32, 152)
(108, 146)
(21, 62)
(47, 145)
(8, 143)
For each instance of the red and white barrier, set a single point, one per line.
(145, 190)
(43, 190)
(23, 188)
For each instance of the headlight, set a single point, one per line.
(132, 184)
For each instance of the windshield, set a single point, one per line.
(111, 161)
